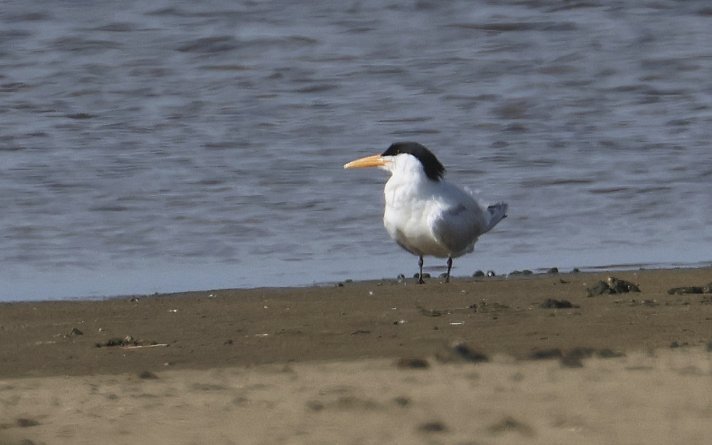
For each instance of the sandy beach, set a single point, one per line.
(547, 358)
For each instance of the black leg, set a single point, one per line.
(449, 266)
(420, 275)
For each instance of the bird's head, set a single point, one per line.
(404, 157)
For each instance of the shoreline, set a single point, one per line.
(352, 320)
(179, 285)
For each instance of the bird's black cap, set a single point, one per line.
(433, 168)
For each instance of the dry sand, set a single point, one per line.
(366, 363)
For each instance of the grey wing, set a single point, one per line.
(458, 228)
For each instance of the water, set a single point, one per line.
(172, 145)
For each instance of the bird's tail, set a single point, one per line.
(497, 212)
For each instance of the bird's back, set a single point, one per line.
(459, 221)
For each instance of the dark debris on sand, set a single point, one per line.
(24, 422)
(126, 341)
(545, 354)
(430, 312)
(525, 272)
(117, 341)
(645, 302)
(552, 303)
(435, 426)
(147, 375)
(485, 307)
(510, 424)
(462, 352)
(447, 311)
(572, 358)
(480, 274)
(691, 290)
(413, 363)
(612, 285)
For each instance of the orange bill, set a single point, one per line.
(368, 161)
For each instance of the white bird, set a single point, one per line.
(425, 214)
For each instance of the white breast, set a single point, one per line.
(408, 217)
(431, 218)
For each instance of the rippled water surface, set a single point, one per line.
(167, 145)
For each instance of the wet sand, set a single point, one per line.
(474, 361)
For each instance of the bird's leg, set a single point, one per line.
(420, 275)
(449, 266)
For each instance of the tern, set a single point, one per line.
(425, 214)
